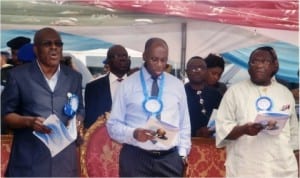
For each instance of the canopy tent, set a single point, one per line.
(71, 41)
(267, 14)
(279, 14)
(217, 29)
(233, 42)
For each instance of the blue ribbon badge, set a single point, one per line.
(152, 104)
(71, 106)
(264, 103)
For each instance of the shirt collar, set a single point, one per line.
(54, 75)
(147, 74)
(113, 78)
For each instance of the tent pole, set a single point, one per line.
(183, 50)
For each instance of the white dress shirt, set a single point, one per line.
(128, 114)
(114, 83)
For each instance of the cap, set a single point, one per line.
(105, 61)
(18, 42)
(25, 53)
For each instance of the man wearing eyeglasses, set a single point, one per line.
(251, 149)
(34, 92)
(201, 98)
(99, 93)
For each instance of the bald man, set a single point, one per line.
(146, 105)
(35, 91)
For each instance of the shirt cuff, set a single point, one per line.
(182, 152)
(131, 139)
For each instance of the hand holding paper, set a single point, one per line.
(272, 122)
(212, 120)
(60, 136)
(164, 134)
(38, 125)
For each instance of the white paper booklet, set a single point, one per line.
(60, 136)
(273, 122)
(211, 125)
(165, 134)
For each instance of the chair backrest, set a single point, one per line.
(205, 160)
(6, 141)
(99, 154)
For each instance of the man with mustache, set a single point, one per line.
(35, 91)
(250, 152)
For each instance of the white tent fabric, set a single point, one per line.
(280, 35)
(224, 27)
(202, 37)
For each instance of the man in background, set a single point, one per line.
(201, 98)
(15, 44)
(5, 67)
(99, 93)
(215, 68)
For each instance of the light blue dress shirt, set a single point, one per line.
(128, 114)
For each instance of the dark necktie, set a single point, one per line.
(154, 91)
(119, 79)
(154, 88)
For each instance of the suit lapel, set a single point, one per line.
(62, 78)
(107, 87)
(38, 76)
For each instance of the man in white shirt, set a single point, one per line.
(145, 102)
(250, 150)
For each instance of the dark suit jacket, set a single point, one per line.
(97, 99)
(27, 93)
(212, 99)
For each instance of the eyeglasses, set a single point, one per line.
(263, 62)
(198, 69)
(50, 43)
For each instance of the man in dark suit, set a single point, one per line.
(34, 92)
(5, 67)
(100, 92)
(201, 98)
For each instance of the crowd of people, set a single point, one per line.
(153, 114)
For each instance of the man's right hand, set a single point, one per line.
(143, 135)
(249, 128)
(253, 128)
(37, 124)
